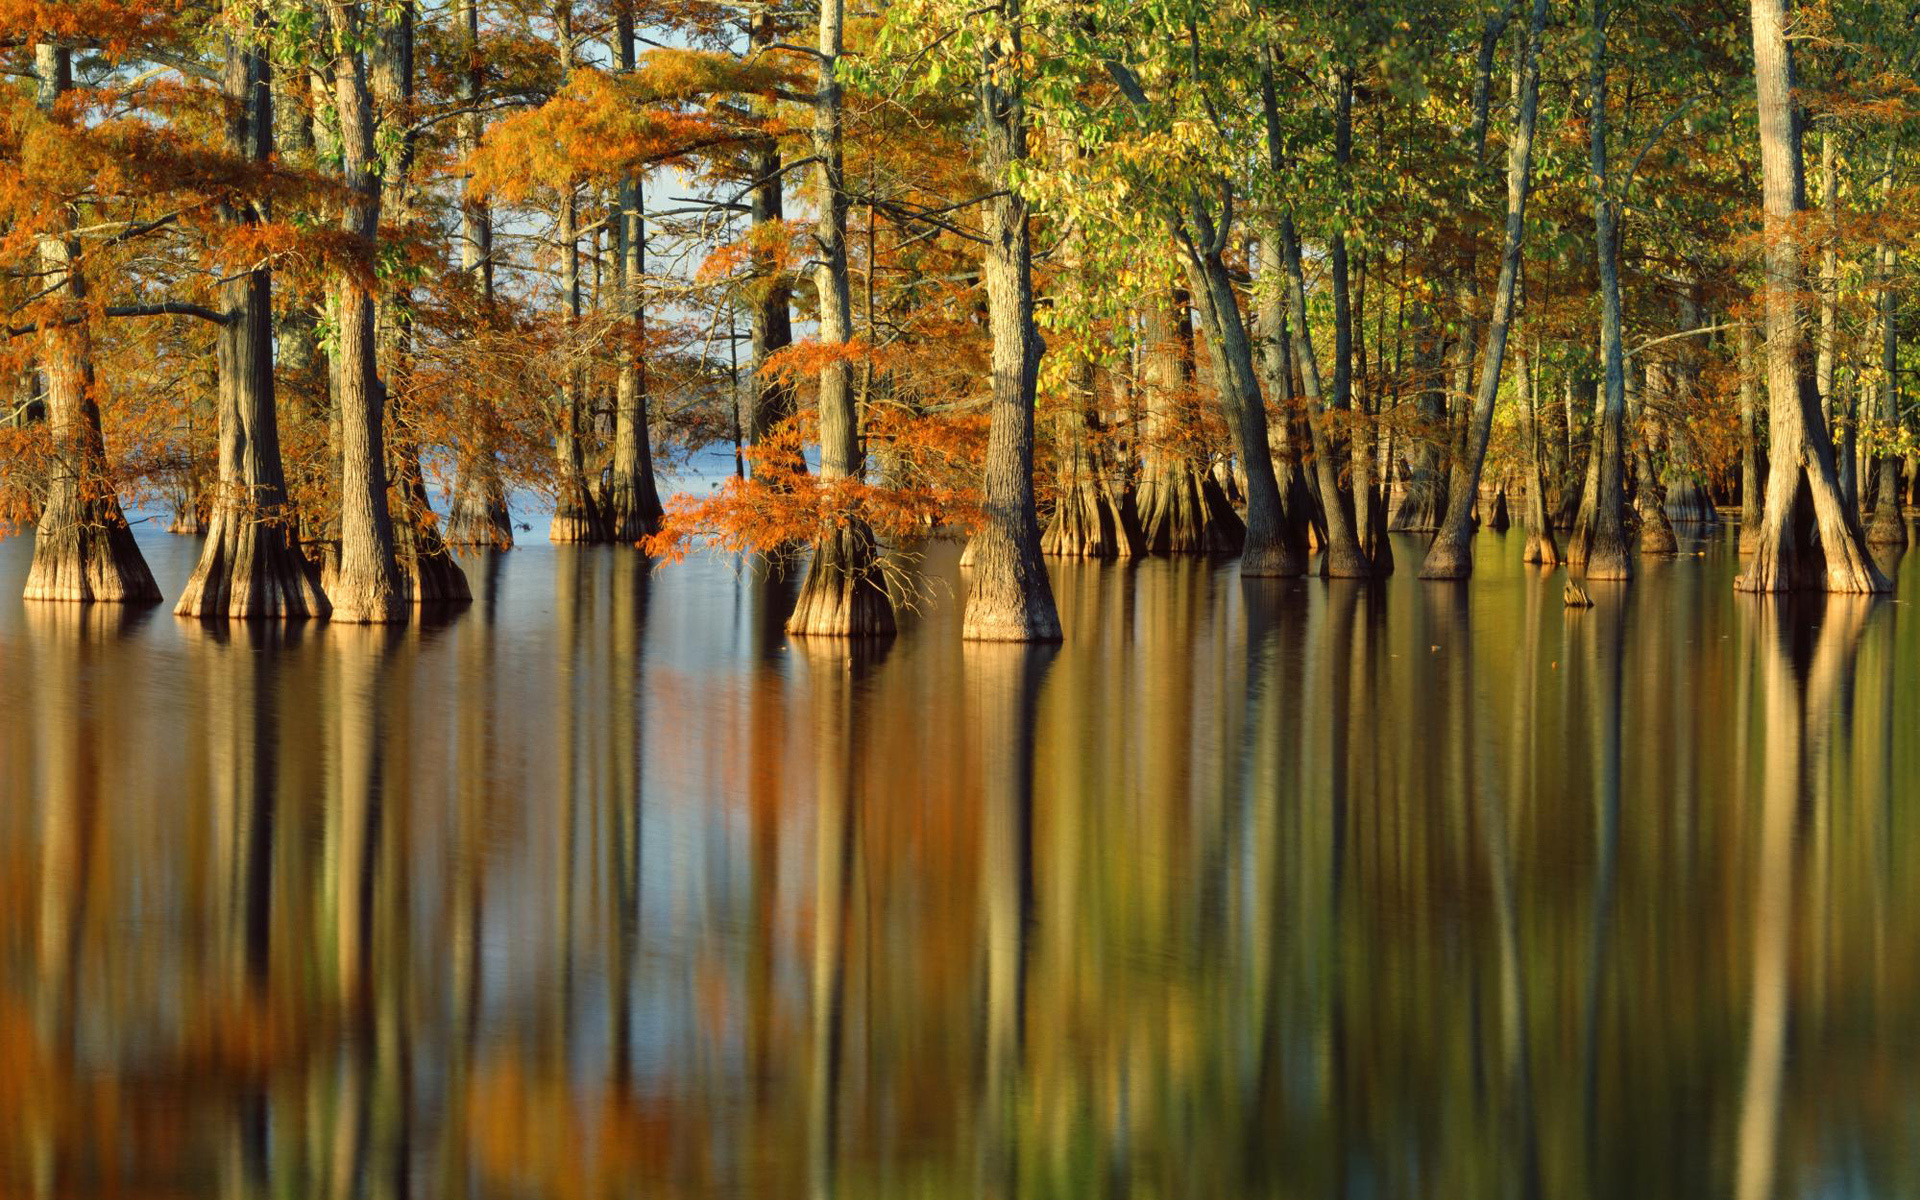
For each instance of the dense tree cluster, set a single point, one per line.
(1072, 277)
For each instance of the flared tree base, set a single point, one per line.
(1800, 548)
(1009, 597)
(844, 594)
(1501, 519)
(84, 552)
(250, 568)
(1599, 553)
(365, 592)
(479, 517)
(1184, 511)
(1656, 532)
(1091, 522)
(1887, 527)
(1424, 506)
(1688, 503)
(632, 511)
(577, 518)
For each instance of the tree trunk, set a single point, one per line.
(1182, 508)
(429, 573)
(1089, 520)
(1296, 502)
(1598, 546)
(1451, 554)
(478, 514)
(1752, 458)
(1889, 527)
(1541, 545)
(82, 547)
(1649, 495)
(365, 586)
(1344, 558)
(577, 517)
(1263, 550)
(1011, 598)
(251, 564)
(843, 595)
(1803, 495)
(633, 505)
(772, 324)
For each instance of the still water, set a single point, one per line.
(602, 887)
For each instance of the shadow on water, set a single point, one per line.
(1253, 888)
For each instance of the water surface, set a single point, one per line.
(603, 887)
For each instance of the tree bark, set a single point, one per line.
(1649, 494)
(1089, 519)
(1752, 457)
(1542, 547)
(429, 574)
(1182, 508)
(843, 595)
(1296, 502)
(365, 586)
(478, 514)
(1011, 598)
(83, 549)
(1888, 527)
(1344, 559)
(1803, 495)
(633, 505)
(1598, 546)
(768, 312)
(250, 564)
(1451, 554)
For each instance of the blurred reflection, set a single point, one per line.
(1254, 888)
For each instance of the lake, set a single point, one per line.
(603, 887)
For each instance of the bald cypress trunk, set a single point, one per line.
(82, 547)
(1344, 558)
(843, 594)
(428, 572)
(1451, 554)
(1182, 507)
(365, 586)
(251, 564)
(633, 504)
(770, 398)
(1089, 518)
(1011, 598)
(1656, 532)
(1276, 361)
(1542, 547)
(478, 514)
(1887, 527)
(1808, 536)
(1598, 546)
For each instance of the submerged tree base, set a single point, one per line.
(1689, 503)
(1089, 521)
(844, 595)
(251, 568)
(1424, 506)
(479, 516)
(1656, 532)
(84, 552)
(1806, 542)
(632, 512)
(577, 520)
(1183, 510)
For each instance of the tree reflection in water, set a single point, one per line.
(1251, 888)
